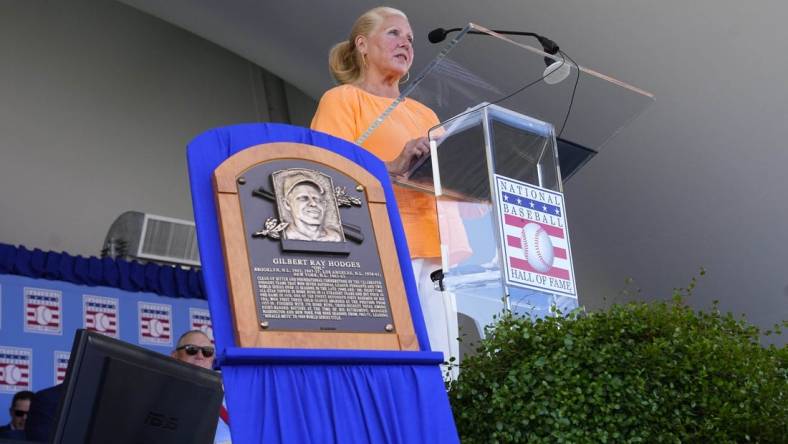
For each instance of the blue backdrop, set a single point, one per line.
(38, 318)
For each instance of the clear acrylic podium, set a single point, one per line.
(504, 135)
(476, 160)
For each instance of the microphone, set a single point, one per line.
(438, 35)
(556, 71)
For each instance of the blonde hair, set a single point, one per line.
(345, 63)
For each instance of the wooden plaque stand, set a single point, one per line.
(241, 286)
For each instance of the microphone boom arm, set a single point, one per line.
(549, 46)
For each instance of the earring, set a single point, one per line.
(407, 77)
(364, 60)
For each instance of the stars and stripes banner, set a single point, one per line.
(534, 237)
(61, 365)
(100, 314)
(43, 311)
(200, 319)
(155, 323)
(16, 369)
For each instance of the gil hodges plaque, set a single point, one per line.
(309, 251)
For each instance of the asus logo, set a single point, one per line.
(162, 421)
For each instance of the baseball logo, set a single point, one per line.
(100, 314)
(156, 329)
(537, 247)
(102, 322)
(43, 315)
(16, 368)
(12, 374)
(43, 311)
(155, 323)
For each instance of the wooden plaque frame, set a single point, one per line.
(248, 332)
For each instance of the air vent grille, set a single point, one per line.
(170, 240)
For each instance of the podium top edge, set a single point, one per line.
(284, 356)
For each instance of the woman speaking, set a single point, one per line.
(369, 67)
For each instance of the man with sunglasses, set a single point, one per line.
(20, 406)
(195, 347)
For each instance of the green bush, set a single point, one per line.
(640, 372)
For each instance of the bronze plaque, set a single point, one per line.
(311, 261)
(312, 256)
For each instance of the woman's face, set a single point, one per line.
(389, 48)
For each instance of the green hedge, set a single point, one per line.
(640, 372)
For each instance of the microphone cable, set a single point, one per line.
(572, 96)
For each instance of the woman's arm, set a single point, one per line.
(414, 150)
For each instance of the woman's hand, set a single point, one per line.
(414, 150)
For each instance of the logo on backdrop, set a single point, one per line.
(43, 311)
(532, 224)
(16, 369)
(200, 319)
(61, 365)
(155, 323)
(100, 314)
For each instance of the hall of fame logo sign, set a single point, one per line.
(155, 323)
(100, 314)
(16, 369)
(200, 319)
(60, 365)
(43, 311)
(532, 223)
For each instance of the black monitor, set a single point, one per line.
(124, 394)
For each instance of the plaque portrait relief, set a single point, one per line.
(309, 251)
(306, 202)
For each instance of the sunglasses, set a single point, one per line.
(20, 413)
(192, 350)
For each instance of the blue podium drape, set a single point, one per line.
(303, 396)
(337, 403)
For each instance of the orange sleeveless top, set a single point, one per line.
(347, 111)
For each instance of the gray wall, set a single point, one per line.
(97, 104)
